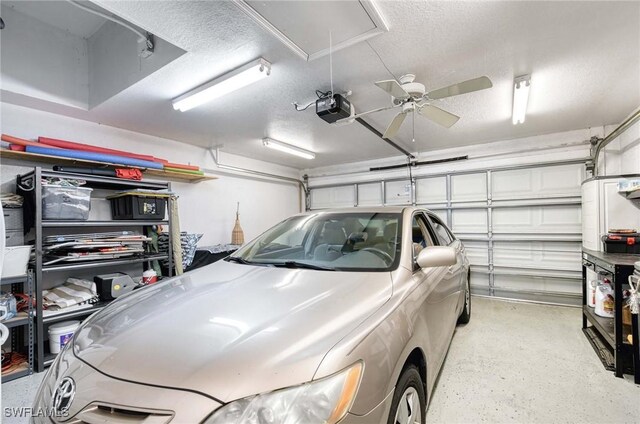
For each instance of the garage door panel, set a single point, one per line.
(469, 187)
(530, 183)
(508, 219)
(479, 282)
(431, 190)
(477, 252)
(509, 184)
(561, 180)
(440, 213)
(469, 221)
(370, 194)
(534, 256)
(535, 218)
(542, 284)
(398, 193)
(333, 197)
(561, 246)
(544, 297)
(538, 219)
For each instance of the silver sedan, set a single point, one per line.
(330, 316)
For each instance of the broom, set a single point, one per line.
(237, 235)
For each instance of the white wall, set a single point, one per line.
(622, 155)
(41, 61)
(630, 146)
(207, 207)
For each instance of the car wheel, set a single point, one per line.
(465, 316)
(408, 406)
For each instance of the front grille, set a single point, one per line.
(117, 414)
(122, 412)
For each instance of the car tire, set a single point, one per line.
(465, 316)
(408, 396)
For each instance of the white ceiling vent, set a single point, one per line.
(304, 26)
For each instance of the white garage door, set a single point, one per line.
(521, 226)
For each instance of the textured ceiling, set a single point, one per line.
(584, 58)
(298, 21)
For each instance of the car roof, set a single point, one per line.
(363, 209)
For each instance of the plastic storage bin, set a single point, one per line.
(604, 301)
(622, 243)
(60, 334)
(592, 285)
(66, 203)
(137, 206)
(15, 261)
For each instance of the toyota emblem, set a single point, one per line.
(63, 396)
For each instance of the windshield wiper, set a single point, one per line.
(238, 260)
(286, 264)
(296, 264)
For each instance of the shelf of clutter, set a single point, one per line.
(606, 305)
(102, 161)
(93, 238)
(16, 324)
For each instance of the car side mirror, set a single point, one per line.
(432, 256)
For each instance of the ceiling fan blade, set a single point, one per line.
(392, 87)
(394, 126)
(438, 115)
(461, 88)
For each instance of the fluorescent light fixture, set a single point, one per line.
(287, 148)
(521, 86)
(225, 84)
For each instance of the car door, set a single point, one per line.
(456, 273)
(435, 284)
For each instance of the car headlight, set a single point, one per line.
(318, 402)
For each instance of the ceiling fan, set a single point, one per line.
(412, 97)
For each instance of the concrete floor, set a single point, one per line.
(528, 363)
(514, 363)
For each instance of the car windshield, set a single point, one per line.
(357, 241)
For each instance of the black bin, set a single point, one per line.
(131, 206)
(618, 243)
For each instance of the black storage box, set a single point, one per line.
(111, 286)
(138, 207)
(622, 243)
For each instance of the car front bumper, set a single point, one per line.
(100, 398)
(379, 414)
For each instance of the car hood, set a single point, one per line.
(230, 330)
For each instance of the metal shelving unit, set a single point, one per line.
(21, 327)
(155, 173)
(106, 262)
(33, 180)
(616, 267)
(19, 321)
(68, 224)
(75, 313)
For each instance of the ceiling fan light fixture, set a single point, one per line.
(287, 148)
(521, 87)
(231, 81)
